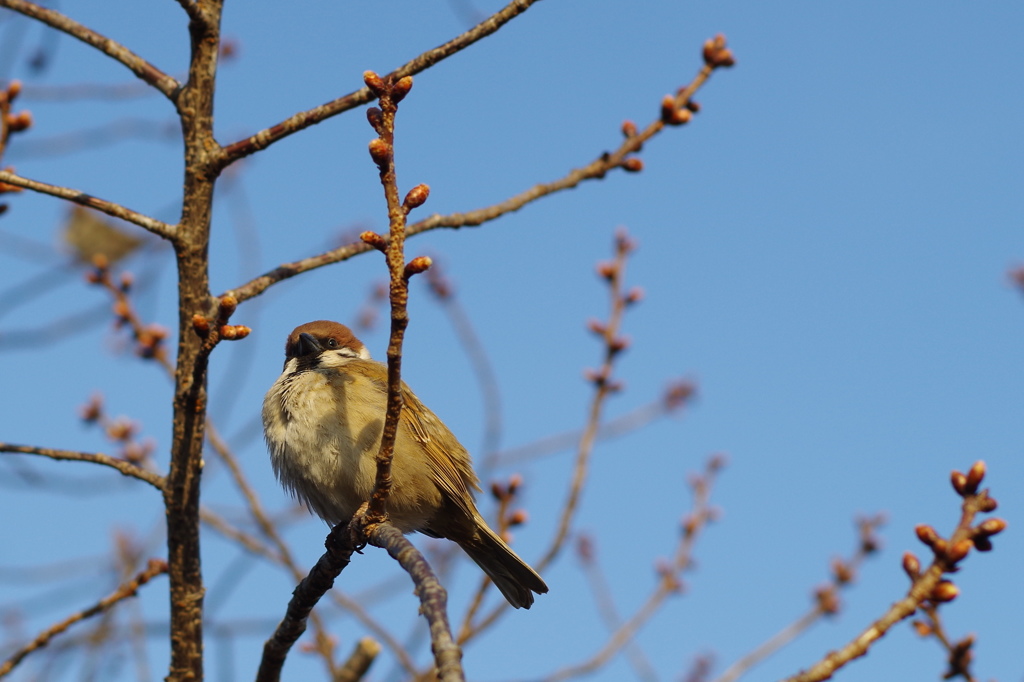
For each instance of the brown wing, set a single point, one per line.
(452, 465)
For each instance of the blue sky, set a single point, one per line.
(824, 250)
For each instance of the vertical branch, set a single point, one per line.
(374, 526)
(382, 151)
(181, 499)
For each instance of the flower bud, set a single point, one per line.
(959, 482)
(375, 83)
(628, 129)
(373, 239)
(416, 197)
(417, 265)
(945, 591)
(991, 527)
(926, 534)
(975, 476)
(632, 165)
(911, 565)
(401, 88)
(380, 152)
(375, 117)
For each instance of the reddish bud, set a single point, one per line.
(927, 534)
(121, 430)
(417, 265)
(975, 477)
(498, 491)
(380, 152)
(122, 310)
(987, 504)
(375, 240)
(597, 326)
(945, 591)
(842, 572)
(13, 90)
(628, 129)
(991, 527)
(234, 332)
(515, 481)
(93, 410)
(911, 566)
(959, 550)
(716, 54)
(375, 83)
(226, 306)
(201, 325)
(618, 344)
(632, 165)
(19, 121)
(828, 600)
(634, 295)
(401, 88)
(668, 108)
(607, 269)
(375, 117)
(126, 282)
(959, 482)
(693, 106)
(518, 517)
(416, 197)
(680, 117)
(982, 544)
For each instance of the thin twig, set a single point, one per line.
(156, 567)
(826, 602)
(157, 227)
(359, 662)
(928, 585)
(124, 466)
(595, 170)
(613, 272)
(304, 119)
(669, 582)
(139, 66)
(678, 394)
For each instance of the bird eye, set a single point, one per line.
(332, 343)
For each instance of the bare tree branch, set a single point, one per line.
(928, 585)
(340, 545)
(156, 567)
(139, 66)
(596, 169)
(124, 466)
(304, 119)
(157, 227)
(433, 599)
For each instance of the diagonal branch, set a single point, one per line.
(153, 225)
(124, 466)
(156, 567)
(432, 595)
(595, 170)
(304, 119)
(140, 67)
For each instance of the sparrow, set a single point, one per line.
(323, 419)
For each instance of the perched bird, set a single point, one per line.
(323, 419)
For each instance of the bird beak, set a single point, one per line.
(308, 345)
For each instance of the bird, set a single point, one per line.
(323, 419)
